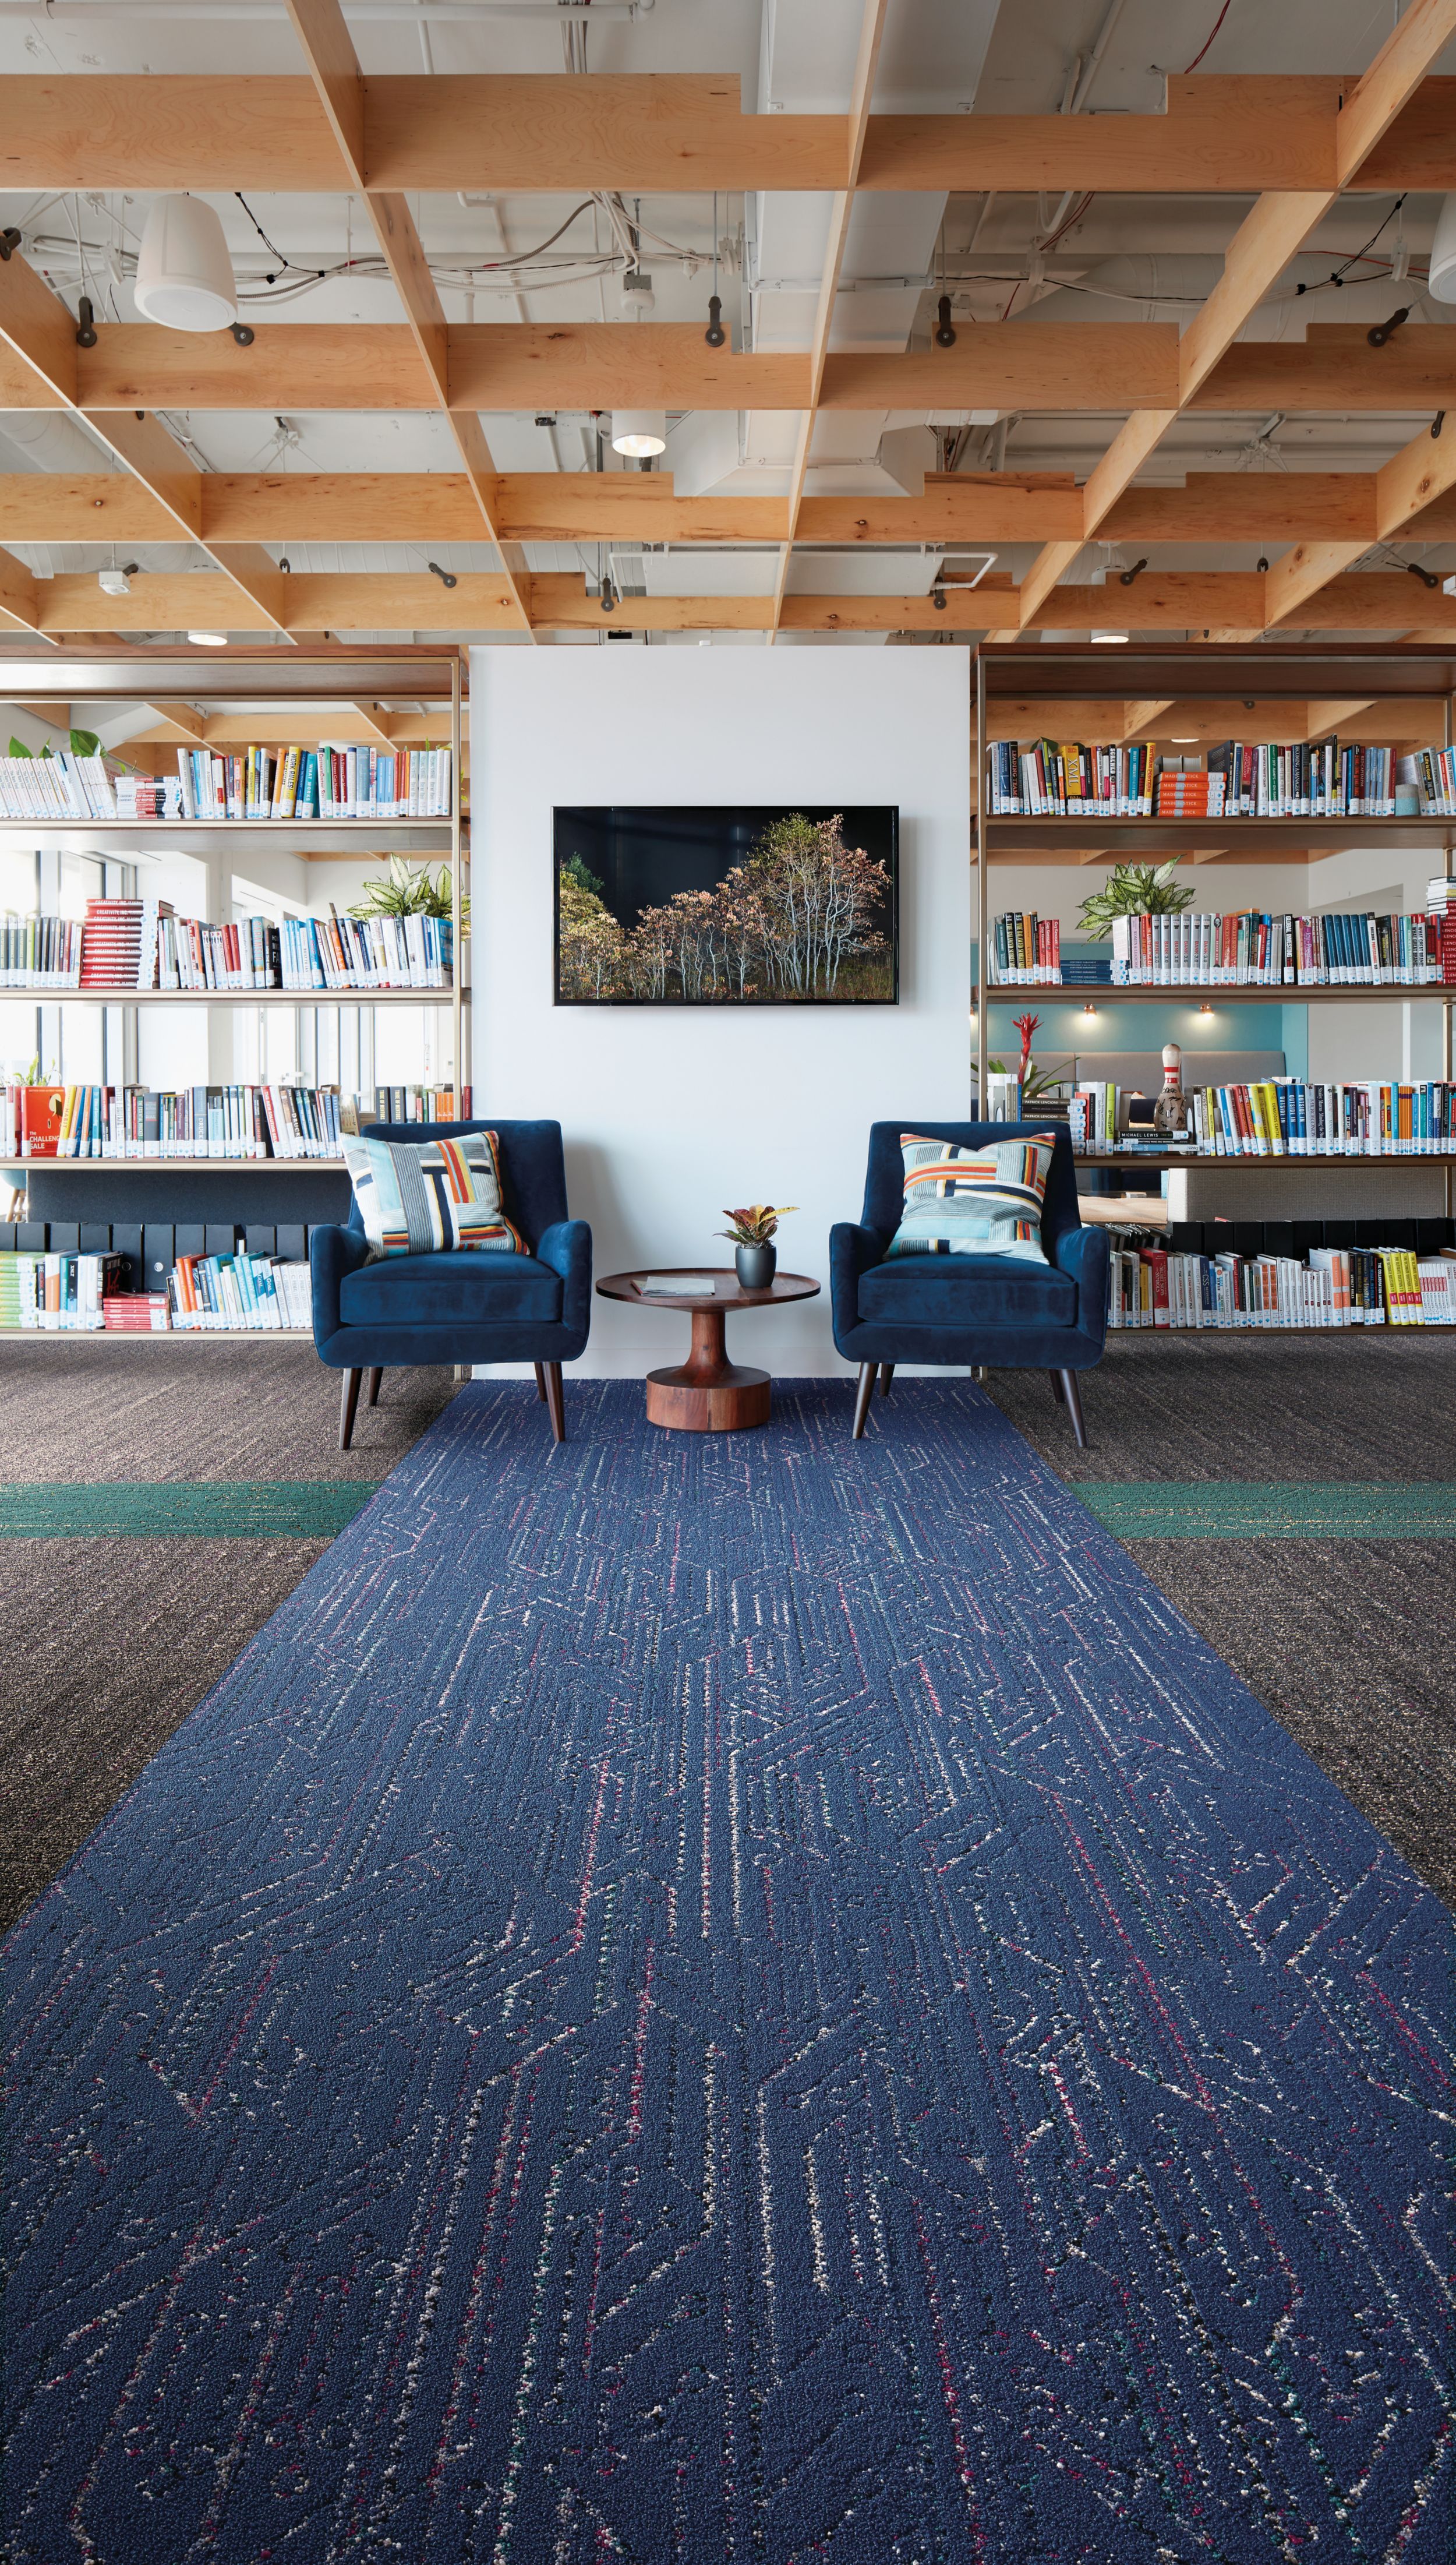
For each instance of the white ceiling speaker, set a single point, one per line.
(1443, 254)
(184, 275)
(639, 431)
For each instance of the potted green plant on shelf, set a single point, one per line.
(751, 1232)
(410, 890)
(1135, 890)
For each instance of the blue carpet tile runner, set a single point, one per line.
(730, 2001)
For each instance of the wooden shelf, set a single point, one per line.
(1157, 1161)
(232, 996)
(1011, 839)
(1300, 993)
(157, 1335)
(175, 1166)
(1422, 1327)
(398, 835)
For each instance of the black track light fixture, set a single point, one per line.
(86, 322)
(944, 332)
(1127, 577)
(445, 578)
(240, 333)
(1385, 330)
(1427, 577)
(938, 599)
(1263, 561)
(284, 562)
(608, 597)
(9, 241)
(714, 334)
(1438, 422)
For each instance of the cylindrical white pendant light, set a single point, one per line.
(1443, 254)
(639, 431)
(184, 275)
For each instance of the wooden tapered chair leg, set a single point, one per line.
(863, 1396)
(540, 1380)
(375, 1377)
(1058, 1392)
(554, 1406)
(1073, 1396)
(887, 1374)
(347, 1407)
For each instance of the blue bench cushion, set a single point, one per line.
(959, 1291)
(441, 1290)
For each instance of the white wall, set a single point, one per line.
(670, 1112)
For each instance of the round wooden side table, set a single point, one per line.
(709, 1394)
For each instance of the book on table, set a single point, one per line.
(676, 1286)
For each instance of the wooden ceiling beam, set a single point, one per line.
(374, 602)
(1416, 491)
(1266, 239)
(675, 134)
(333, 67)
(841, 209)
(38, 334)
(1096, 367)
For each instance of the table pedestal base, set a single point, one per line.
(735, 1400)
(709, 1395)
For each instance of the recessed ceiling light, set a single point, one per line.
(208, 640)
(1109, 636)
(1185, 739)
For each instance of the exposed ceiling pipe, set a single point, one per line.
(1081, 92)
(457, 12)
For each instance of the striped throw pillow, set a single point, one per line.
(984, 1201)
(421, 1197)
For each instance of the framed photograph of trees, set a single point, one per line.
(738, 906)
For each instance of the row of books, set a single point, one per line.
(1239, 779)
(1026, 950)
(277, 1120)
(55, 786)
(304, 953)
(132, 944)
(225, 1293)
(281, 1120)
(1257, 948)
(1282, 1118)
(80, 1294)
(1374, 1287)
(323, 783)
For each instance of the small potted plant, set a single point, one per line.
(751, 1233)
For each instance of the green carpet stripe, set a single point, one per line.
(217, 1509)
(1273, 1509)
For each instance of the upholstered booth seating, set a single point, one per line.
(968, 1309)
(465, 1307)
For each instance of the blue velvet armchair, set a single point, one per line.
(969, 1311)
(468, 1306)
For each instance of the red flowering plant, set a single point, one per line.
(1032, 1080)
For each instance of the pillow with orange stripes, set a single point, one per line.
(981, 1201)
(423, 1197)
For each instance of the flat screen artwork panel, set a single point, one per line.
(735, 906)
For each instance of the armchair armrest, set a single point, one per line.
(1083, 1252)
(333, 1252)
(853, 1248)
(566, 1248)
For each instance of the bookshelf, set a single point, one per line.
(1158, 691)
(282, 695)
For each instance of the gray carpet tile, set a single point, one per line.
(84, 1409)
(1352, 1644)
(108, 1644)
